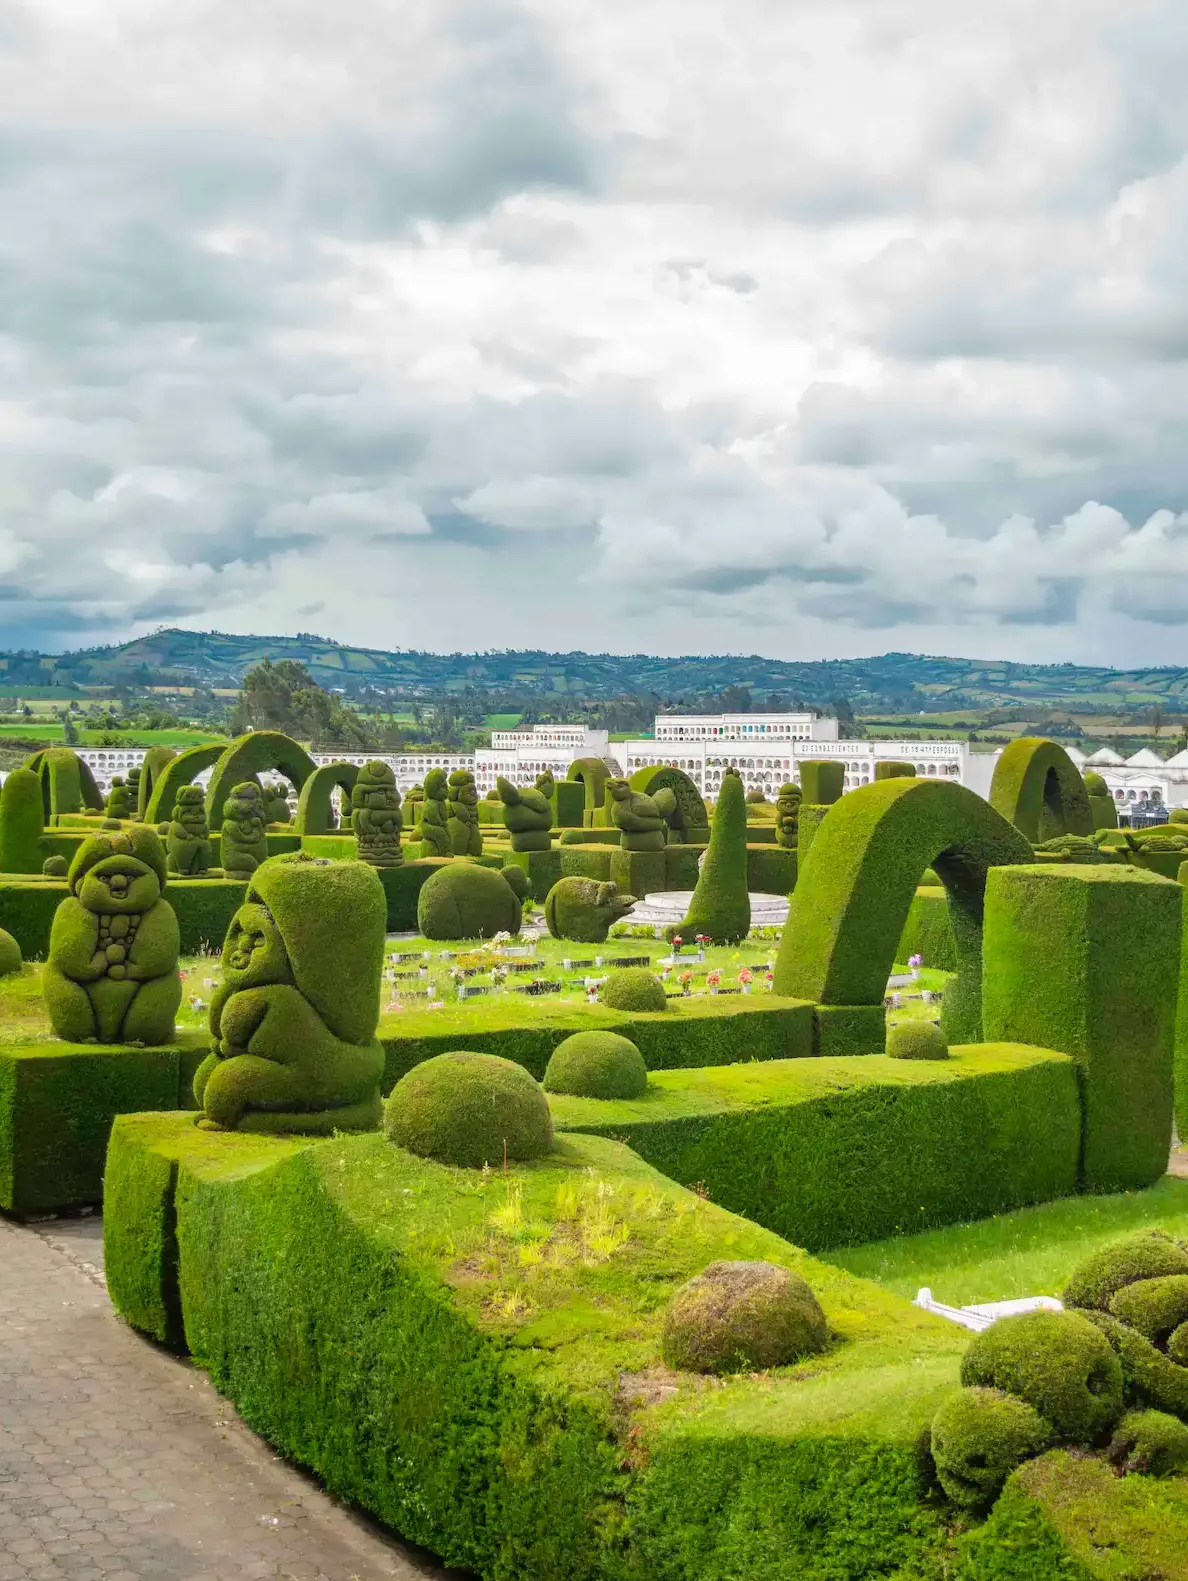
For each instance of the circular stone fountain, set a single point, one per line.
(670, 906)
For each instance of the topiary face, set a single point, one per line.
(119, 883)
(979, 1436)
(470, 1110)
(253, 951)
(1057, 1362)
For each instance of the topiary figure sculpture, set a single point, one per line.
(633, 988)
(721, 906)
(431, 829)
(1059, 1363)
(295, 1014)
(134, 791)
(546, 784)
(375, 815)
(276, 803)
(22, 823)
(466, 838)
(119, 802)
(55, 867)
(583, 910)
(464, 901)
(527, 815)
(596, 1065)
(916, 1039)
(242, 843)
(742, 1316)
(111, 975)
(187, 844)
(11, 959)
(979, 1436)
(469, 1110)
(787, 818)
(642, 820)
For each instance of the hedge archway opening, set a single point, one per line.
(315, 813)
(156, 760)
(67, 784)
(260, 752)
(593, 774)
(184, 769)
(1038, 788)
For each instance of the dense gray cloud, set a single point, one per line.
(821, 329)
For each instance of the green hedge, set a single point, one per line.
(709, 1030)
(680, 865)
(203, 906)
(927, 932)
(542, 867)
(605, 836)
(640, 873)
(770, 870)
(491, 1417)
(1087, 960)
(830, 1152)
(27, 907)
(761, 833)
(340, 846)
(822, 781)
(1038, 788)
(586, 862)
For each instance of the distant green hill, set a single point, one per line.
(892, 682)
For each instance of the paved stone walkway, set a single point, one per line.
(120, 1463)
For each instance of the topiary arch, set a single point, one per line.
(156, 760)
(314, 812)
(250, 756)
(184, 769)
(690, 821)
(1038, 788)
(852, 896)
(67, 784)
(593, 774)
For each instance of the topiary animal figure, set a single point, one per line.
(742, 1316)
(642, 820)
(242, 843)
(916, 1039)
(979, 1436)
(22, 823)
(11, 959)
(375, 815)
(527, 815)
(787, 818)
(469, 1110)
(546, 784)
(276, 803)
(111, 975)
(596, 1065)
(433, 818)
(294, 1017)
(633, 988)
(55, 867)
(119, 802)
(583, 910)
(187, 844)
(721, 906)
(466, 838)
(464, 901)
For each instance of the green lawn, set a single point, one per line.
(36, 731)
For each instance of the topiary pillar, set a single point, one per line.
(119, 799)
(721, 907)
(242, 844)
(375, 815)
(466, 838)
(187, 845)
(22, 823)
(1085, 960)
(276, 803)
(822, 781)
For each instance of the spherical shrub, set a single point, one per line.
(469, 1109)
(738, 1317)
(1177, 814)
(979, 1436)
(1057, 1362)
(1150, 1442)
(1095, 784)
(1148, 1254)
(1153, 1306)
(633, 988)
(597, 1065)
(10, 954)
(916, 1040)
(464, 901)
(55, 867)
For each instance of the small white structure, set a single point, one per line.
(983, 1314)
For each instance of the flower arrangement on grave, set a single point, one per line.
(713, 980)
(686, 981)
(745, 978)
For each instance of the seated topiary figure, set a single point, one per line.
(1151, 1442)
(518, 879)
(111, 975)
(979, 1436)
(119, 802)
(720, 908)
(431, 829)
(55, 867)
(463, 901)
(787, 816)
(294, 1016)
(470, 1110)
(742, 1317)
(916, 1040)
(596, 1065)
(375, 815)
(466, 838)
(242, 843)
(527, 815)
(642, 820)
(1057, 1362)
(583, 909)
(276, 803)
(11, 959)
(633, 988)
(187, 844)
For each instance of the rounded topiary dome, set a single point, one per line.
(1057, 1362)
(469, 1109)
(917, 1040)
(1147, 1254)
(597, 1065)
(633, 988)
(10, 954)
(55, 867)
(979, 1436)
(742, 1316)
(465, 901)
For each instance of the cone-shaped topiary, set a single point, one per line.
(119, 799)
(10, 955)
(1151, 1442)
(787, 816)
(243, 846)
(433, 815)
(721, 907)
(463, 901)
(916, 1040)
(55, 867)
(642, 820)
(111, 975)
(22, 823)
(1147, 1254)
(294, 1017)
(582, 909)
(596, 1065)
(527, 815)
(375, 815)
(276, 803)
(466, 838)
(1057, 1362)
(187, 844)
(470, 1110)
(979, 1436)
(742, 1316)
(633, 988)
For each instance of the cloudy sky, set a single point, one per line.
(809, 329)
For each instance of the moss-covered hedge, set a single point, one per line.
(831, 1152)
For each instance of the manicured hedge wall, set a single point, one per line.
(204, 908)
(27, 909)
(543, 869)
(836, 1151)
(608, 835)
(589, 861)
(770, 870)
